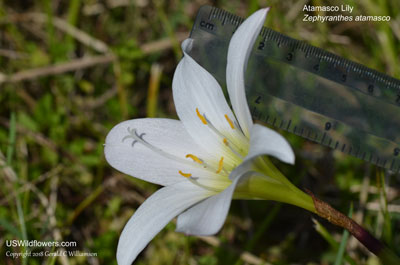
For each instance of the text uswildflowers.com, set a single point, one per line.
(36, 243)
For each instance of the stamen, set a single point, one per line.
(229, 121)
(186, 175)
(201, 117)
(201, 162)
(226, 142)
(220, 165)
(195, 158)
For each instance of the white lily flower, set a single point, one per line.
(204, 160)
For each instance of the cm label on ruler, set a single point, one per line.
(308, 91)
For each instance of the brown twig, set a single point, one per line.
(98, 8)
(84, 62)
(73, 65)
(13, 54)
(64, 26)
(163, 44)
(335, 217)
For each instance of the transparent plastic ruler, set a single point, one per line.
(308, 91)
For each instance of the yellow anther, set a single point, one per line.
(195, 158)
(226, 141)
(186, 175)
(220, 164)
(201, 117)
(229, 121)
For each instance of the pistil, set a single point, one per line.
(139, 139)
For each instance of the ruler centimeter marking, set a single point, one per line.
(307, 91)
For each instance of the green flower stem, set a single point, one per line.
(274, 187)
(271, 184)
(266, 189)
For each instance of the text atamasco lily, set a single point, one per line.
(207, 158)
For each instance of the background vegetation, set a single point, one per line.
(71, 70)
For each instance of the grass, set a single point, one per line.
(56, 110)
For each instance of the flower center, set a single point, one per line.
(219, 171)
(234, 148)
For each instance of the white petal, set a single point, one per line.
(141, 162)
(264, 141)
(240, 47)
(152, 216)
(208, 216)
(193, 87)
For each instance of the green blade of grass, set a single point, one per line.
(387, 224)
(331, 241)
(10, 154)
(343, 242)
